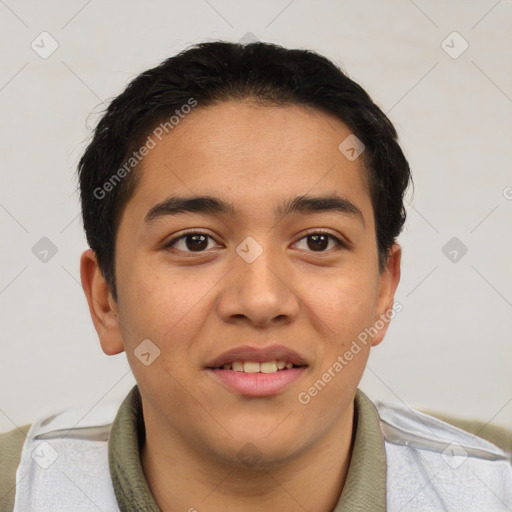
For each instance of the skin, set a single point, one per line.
(196, 305)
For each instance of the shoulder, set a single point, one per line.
(11, 445)
(498, 435)
(404, 425)
(433, 463)
(67, 435)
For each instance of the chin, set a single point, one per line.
(258, 452)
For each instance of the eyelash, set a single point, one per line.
(174, 240)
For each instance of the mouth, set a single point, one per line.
(257, 372)
(255, 367)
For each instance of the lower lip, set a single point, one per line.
(258, 384)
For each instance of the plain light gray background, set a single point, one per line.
(448, 350)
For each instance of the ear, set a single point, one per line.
(102, 306)
(389, 279)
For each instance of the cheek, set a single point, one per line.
(162, 307)
(344, 303)
(163, 303)
(345, 311)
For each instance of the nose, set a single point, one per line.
(259, 291)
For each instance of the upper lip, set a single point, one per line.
(258, 355)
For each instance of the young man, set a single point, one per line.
(242, 205)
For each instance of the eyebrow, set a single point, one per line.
(175, 205)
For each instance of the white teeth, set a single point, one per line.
(268, 367)
(254, 367)
(251, 367)
(238, 366)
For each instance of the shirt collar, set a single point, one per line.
(365, 486)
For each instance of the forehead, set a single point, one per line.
(252, 153)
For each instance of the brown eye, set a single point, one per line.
(196, 242)
(319, 242)
(189, 242)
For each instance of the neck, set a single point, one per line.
(181, 478)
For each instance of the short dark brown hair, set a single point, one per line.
(218, 71)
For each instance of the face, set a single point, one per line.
(257, 283)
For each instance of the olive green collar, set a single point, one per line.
(126, 440)
(365, 486)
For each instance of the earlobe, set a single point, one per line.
(102, 307)
(389, 279)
